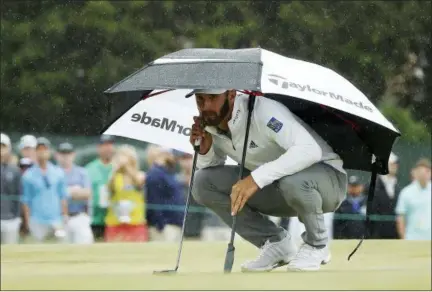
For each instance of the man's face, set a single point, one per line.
(65, 160)
(28, 152)
(355, 190)
(423, 174)
(106, 151)
(43, 153)
(393, 168)
(214, 108)
(4, 152)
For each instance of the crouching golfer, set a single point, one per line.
(291, 171)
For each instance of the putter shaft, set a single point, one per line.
(196, 148)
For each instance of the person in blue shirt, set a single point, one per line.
(413, 208)
(79, 192)
(44, 196)
(164, 192)
(353, 206)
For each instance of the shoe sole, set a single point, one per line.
(266, 269)
(310, 269)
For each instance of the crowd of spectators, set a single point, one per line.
(46, 196)
(401, 212)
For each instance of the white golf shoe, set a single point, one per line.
(272, 255)
(309, 258)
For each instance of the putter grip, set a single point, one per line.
(197, 144)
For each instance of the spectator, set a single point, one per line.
(414, 205)
(125, 220)
(354, 204)
(27, 147)
(44, 196)
(386, 194)
(10, 177)
(99, 171)
(79, 192)
(164, 191)
(194, 218)
(152, 152)
(25, 163)
(13, 159)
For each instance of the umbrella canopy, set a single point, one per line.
(159, 118)
(329, 103)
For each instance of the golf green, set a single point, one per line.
(378, 265)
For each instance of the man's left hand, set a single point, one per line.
(241, 192)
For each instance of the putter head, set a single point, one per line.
(165, 272)
(229, 258)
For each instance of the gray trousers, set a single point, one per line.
(307, 195)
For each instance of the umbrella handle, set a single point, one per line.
(197, 144)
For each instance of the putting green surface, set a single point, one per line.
(377, 265)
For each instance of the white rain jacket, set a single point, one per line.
(280, 143)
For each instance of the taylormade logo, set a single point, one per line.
(282, 82)
(164, 123)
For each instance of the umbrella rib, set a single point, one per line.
(204, 62)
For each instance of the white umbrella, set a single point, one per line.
(160, 119)
(328, 102)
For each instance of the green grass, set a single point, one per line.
(378, 265)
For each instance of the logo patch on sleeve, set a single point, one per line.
(275, 125)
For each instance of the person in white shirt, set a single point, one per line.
(413, 207)
(387, 190)
(291, 171)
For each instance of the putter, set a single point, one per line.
(229, 257)
(173, 271)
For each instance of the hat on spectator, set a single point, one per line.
(354, 180)
(27, 141)
(106, 139)
(5, 140)
(393, 158)
(424, 162)
(65, 147)
(43, 141)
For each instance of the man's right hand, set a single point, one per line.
(198, 132)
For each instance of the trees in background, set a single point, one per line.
(58, 58)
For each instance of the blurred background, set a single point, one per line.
(58, 58)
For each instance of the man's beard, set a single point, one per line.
(214, 119)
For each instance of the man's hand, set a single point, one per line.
(241, 192)
(198, 132)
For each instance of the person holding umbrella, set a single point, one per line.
(300, 153)
(291, 171)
